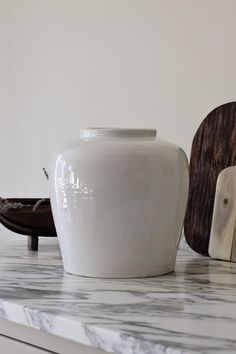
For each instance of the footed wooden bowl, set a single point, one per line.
(30, 220)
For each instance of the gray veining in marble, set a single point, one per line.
(192, 310)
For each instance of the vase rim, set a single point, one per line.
(137, 133)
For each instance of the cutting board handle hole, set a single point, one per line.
(225, 201)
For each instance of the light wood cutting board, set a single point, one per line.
(223, 229)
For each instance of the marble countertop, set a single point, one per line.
(192, 310)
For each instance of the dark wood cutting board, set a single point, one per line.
(213, 149)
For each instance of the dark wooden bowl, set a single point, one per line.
(25, 221)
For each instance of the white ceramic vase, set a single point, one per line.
(118, 200)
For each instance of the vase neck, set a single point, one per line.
(120, 133)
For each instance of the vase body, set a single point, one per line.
(118, 199)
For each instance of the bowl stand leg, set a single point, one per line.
(33, 242)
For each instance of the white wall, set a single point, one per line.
(66, 64)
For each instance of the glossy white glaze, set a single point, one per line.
(189, 311)
(118, 199)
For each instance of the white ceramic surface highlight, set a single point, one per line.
(118, 199)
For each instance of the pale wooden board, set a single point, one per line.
(222, 243)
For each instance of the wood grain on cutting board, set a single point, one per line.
(222, 243)
(213, 149)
